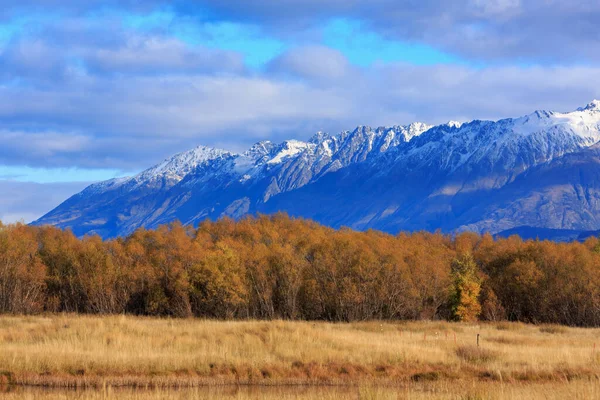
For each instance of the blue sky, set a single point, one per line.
(98, 89)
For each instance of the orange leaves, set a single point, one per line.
(280, 267)
(22, 274)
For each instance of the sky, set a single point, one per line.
(99, 89)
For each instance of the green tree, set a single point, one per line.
(465, 291)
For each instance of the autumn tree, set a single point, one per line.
(217, 284)
(22, 275)
(59, 251)
(274, 266)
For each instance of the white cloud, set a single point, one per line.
(312, 62)
(131, 122)
(96, 94)
(29, 201)
(558, 31)
(156, 55)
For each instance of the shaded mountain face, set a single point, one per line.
(539, 171)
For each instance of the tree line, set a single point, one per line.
(276, 267)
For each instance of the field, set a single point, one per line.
(122, 356)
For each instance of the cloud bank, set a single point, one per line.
(124, 84)
(26, 202)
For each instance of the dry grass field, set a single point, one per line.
(179, 357)
(413, 391)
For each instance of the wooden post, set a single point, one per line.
(478, 340)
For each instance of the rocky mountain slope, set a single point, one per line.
(539, 171)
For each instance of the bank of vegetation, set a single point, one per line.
(74, 350)
(276, 267)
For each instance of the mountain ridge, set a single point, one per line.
(413, 177)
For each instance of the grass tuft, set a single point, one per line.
(554, 329)
(509, 326)
(475, 354)
(428, 376)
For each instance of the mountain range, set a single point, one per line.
(534, 175)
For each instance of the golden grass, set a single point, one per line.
(91, 351)
(460, 390)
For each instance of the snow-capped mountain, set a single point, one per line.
(480, 175)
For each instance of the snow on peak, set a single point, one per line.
(454, 124)
(541, 134)
(178, 166)
(104, 186)
(415, 129)
(319, 137)
(581, 122)
(260, 150)
(287, 149)
(594, 105)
